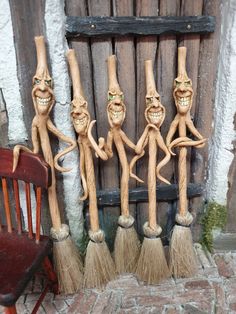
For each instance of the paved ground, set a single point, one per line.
(213, 290)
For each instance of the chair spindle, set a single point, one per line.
(38, 212)
(17, 203)
(29, 210)
(6, 205)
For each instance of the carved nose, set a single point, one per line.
(42, 86)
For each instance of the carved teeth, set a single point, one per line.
(184, 101)
(43, 101)
(117, 114)
(81, 121)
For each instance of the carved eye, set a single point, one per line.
(177, 83)
(187, 83)
(48, 82)
(111, 97)
(37, 81)
(122, 96)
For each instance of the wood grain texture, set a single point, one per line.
(31, 168)
(83, 53)
(146, 49)
(127, 25)
(208, 64)
(100, 50)
(164, 193)
(166, 73)
(125, 53)
(28, 19)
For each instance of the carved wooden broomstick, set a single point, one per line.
(183, 261)
(127, 245)
(152, 266)
(99, 266)
(66, 258)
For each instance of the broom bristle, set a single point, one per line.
(99, 266)
(126, 250)
(152, 266)
(68, 266)
(183, 260)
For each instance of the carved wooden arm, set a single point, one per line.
(51, 127)
(18, 148)
(82, 172)
(165, 160)
(101, 153)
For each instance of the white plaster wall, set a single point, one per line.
(8, 77)
(221, 146)
(55, 33)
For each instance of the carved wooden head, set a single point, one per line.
(42, 93)
(116, 108)
(79, 106)
(155, 111)
(183, 91)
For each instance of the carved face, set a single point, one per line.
(42, 94)
(116, 108)
(80, 115)
(183, 94)
(155, 112)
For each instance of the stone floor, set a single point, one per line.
(213, 290)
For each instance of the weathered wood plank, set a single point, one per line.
(166, 73)
(3, 121)
(109, 175)
(208, 60)
(192, 42)
(125, 52)
(28, 19)
(165, 193)
(146, 48)
(127, 25)
(83, 54)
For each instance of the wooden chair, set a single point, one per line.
(22, 253)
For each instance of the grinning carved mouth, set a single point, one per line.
(184, 101)
(43, 101)
(81, 119)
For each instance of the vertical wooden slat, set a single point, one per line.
(17, 204)
(125, 52)
(6, 204)
(109, 175)
(38, 212)
(208, 64)
(146, 48)
(29, 210)
(166, 73)
(27, 18)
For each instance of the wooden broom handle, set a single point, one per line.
(150, 81)
(152, 204)
(112, 77)
(182, 167)
(182, 52)
(75, 73)
(93, 210)
(41, 52)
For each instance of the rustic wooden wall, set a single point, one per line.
(28, 19)
(131, 53)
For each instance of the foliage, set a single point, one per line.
(214, 217)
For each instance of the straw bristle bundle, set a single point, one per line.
(152, 266)
(68, 266)
(183, 260)
(99, 267)
(126, 250)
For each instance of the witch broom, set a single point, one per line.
(99, 266)
(152, 266)
(66, 258)
(183, 261)
(127, 245)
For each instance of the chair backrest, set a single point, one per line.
(31, 169)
